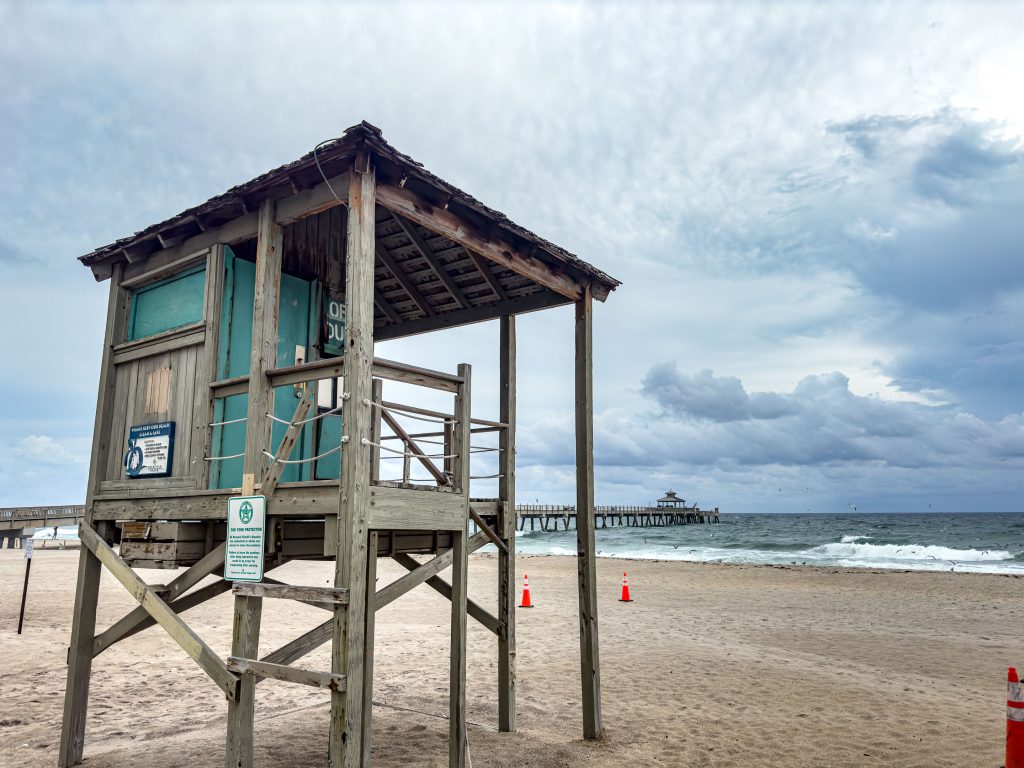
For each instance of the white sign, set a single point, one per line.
(243, 558)
(28, 548)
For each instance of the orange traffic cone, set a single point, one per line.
(526, 592)
(1014, 721)
(625, 590)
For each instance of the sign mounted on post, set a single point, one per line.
(29, 542)
(243, 556)
(335, 342)
(150, 450)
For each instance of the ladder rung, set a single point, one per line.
(336, 595)
(330, 680)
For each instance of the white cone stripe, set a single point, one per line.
(1015, 714)
(1015, 692)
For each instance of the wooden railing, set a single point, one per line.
(332, 367)
(42, 513)
(438, 451)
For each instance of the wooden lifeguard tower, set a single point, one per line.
(238, 361)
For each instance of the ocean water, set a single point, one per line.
(978, 542)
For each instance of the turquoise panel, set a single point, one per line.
(329, 436)
(167, 304)
(233, 360)
(296, 326)
(293, 329)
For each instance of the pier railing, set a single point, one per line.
(41, 513)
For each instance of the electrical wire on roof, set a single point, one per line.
(316, 159)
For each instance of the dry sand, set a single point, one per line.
(712, 665)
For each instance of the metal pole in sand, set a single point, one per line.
(24, 589)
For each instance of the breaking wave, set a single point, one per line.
(855, 549)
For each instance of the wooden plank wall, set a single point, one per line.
(144, 394)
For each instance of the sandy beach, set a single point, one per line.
(712, 665)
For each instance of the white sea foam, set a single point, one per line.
(854, 539)
(853, 550)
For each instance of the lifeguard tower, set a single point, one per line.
(238, 363)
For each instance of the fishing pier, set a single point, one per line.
(19, 522)
(669, 510)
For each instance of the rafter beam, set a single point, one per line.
(404, 281)
(444, 222)
(530, 303)
(492, 280)
(432, 261)
(385, 306)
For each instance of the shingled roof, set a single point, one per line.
(334, 157)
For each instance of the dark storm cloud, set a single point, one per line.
(948, 169)
(705, 395)
(818, 444)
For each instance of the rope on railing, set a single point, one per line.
(428, 419)
(275, 460)
(229, 421)
(486, 477)
(367, 441)
(224, 458)
(287, 423)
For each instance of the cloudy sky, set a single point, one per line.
(817, 212)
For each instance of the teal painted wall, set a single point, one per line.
(297, 326)
(167, 304)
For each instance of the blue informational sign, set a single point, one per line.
(150, 450)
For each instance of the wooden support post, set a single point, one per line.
(460, 564)
(507, 527)
(248, 610)
(266, 302)
(76, 695)
(245, 642)
(83, 627)
(346, 736)
(371, 580)
(590, 665)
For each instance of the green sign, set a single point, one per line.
(335, 341)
